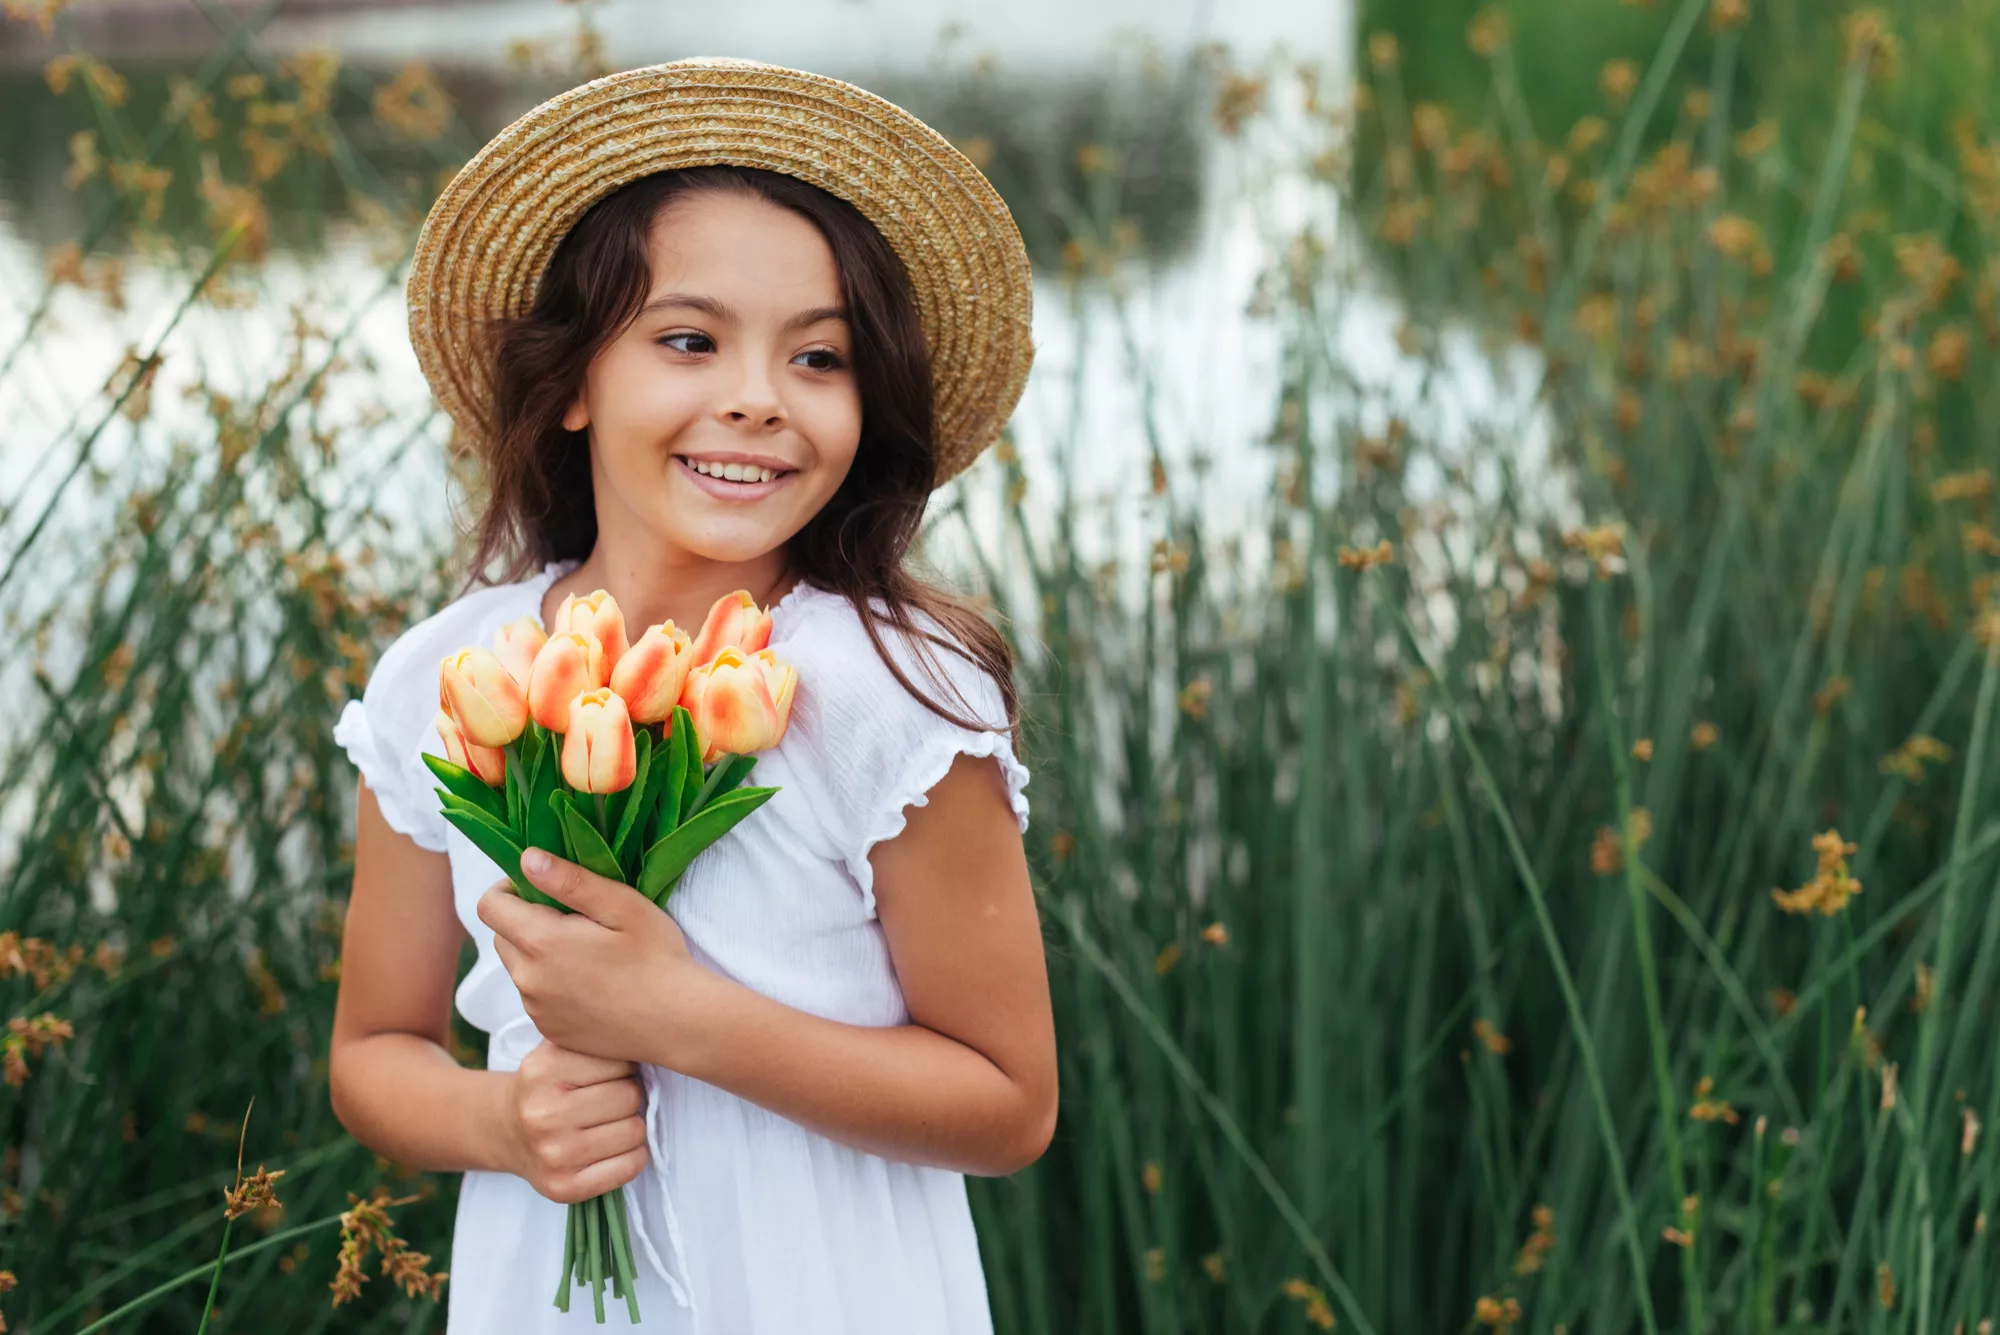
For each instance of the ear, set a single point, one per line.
(577, 416)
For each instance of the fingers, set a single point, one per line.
(606, 1175)
(510, 916)
(606, 1102)
(577, 1165)
(596, 897)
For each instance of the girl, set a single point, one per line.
(714, 326)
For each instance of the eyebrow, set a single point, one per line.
(714, 309)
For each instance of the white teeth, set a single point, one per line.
(732, 472)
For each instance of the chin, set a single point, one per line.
(733, 549)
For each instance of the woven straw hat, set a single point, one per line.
(490, 234)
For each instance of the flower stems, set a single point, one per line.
(621, 1250)
(593, 1219)
(569, 1257)
(597, 1248)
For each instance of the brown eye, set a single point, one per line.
(829, 359)
(674, 340)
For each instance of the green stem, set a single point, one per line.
(594, 1267)
(621, 1253)
(1642, 940)
(189, 1276)
(568, 1259)
(215, 1282)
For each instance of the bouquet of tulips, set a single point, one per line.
(627, 759)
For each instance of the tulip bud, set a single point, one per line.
(598, 755)
(516, 645)
(568, 665)
(739, 704)
(487, 763)
(734, 620)
(478, 691)
(598, 616)
(652, 672)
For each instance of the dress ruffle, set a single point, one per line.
(388, 778)
(931, 762)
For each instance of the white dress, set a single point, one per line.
(751, 1224)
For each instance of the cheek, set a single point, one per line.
(836, 426)
(635, 407)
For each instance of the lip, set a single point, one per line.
(732, 491)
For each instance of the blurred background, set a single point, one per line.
(1500, 545)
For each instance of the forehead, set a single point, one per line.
(740, 242)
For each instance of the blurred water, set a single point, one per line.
(1163, 355)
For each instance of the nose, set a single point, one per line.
(752, 398)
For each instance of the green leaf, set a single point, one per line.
(724, 776)
(697, 775)
(499, 845)
(467, 785)
(639, 797)
(667, 813)
(667, 859)
(627, 799)
(517, 790)
(545, 828)
(560, 801)
(591, 852)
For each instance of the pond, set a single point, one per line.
(1093, 120)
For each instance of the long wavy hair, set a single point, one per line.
(538, 507)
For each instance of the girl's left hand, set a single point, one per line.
(611, 978)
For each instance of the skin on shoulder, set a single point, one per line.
(742, 352)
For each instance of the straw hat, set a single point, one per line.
(489, 235)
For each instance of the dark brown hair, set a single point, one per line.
(538, 506)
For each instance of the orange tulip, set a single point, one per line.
(736, 620)
(598, 616)
(478, 691)
(740, 704)
(568, 665)
(651, 673)
(597, 754)
(516, 645)
(487, 763)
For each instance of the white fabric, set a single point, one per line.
(745, 1223)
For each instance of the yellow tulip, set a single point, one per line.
(597, 754)
(740, 703)
(487, 763)
(735, 620)
(651, 673)
(516, 645)
(598, 616)
(568, 665)
(478, 691)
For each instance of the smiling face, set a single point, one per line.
(741, 359)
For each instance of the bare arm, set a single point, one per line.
(970, 1084)
(395, 1085)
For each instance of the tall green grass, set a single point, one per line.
(1388, 901)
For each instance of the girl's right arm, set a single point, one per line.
(566, 1122)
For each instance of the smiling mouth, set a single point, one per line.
(745, 483)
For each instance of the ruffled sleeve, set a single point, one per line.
(883, 749)
(389, 728)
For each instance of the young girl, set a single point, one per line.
(714, 326)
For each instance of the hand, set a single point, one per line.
(577, 1128)
(614, 978)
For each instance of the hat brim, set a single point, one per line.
(488, 237)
